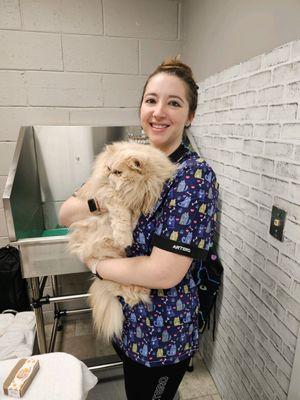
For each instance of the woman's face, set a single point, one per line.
(165, 111)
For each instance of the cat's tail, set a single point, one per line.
(107, 310)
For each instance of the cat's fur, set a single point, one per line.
(127, 179)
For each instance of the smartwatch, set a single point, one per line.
(93, 205)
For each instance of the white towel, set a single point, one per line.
(61, 376)
(12, 338)
(5, 321)
(24, 320)
(22, 350)
(17, 338)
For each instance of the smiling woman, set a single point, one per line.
(168, 104)
(169, 245)
(165, 112)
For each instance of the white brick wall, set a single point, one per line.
(252, 141)
(74, 62)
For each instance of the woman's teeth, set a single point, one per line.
(159, 126)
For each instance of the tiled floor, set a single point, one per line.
(77, 338)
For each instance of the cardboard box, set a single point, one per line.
(20, 377)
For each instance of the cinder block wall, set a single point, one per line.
(248, 128)
(74, 62)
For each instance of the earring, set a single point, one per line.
(188, 125)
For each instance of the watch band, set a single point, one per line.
(99, 276)
(94, 269)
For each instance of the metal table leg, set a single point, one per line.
(40, 327)
(57, 325)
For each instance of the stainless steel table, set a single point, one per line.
(49, 163)
(47, 257)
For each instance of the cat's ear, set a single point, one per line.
(110, 149)
(134, 164)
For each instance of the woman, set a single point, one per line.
(158, 340)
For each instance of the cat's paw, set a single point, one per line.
(122, 241)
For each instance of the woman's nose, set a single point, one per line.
(159, 111)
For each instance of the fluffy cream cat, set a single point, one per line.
(127, 179)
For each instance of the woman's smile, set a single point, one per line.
(158, 127)
(165, 111)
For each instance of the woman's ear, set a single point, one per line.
(190, 120)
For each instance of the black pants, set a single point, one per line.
(155, 383)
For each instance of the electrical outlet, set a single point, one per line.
(277, 223)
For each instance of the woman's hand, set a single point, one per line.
(72, 210)
(88, 262)
(75, 209)
(91, 263)
(93, 266)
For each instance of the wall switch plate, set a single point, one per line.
(277, 223)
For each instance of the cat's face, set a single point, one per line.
(124, 171)
(133, 173)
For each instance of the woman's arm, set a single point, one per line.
(73, 209)
(161, 270)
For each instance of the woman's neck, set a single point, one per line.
(169, 149)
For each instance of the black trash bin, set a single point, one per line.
(13, 289)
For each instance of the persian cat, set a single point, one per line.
(127, 180)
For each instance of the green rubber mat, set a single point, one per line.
(29, 234)
(55, 232)
(46, 233)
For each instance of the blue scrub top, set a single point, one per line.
(183, 222)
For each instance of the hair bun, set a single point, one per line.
(173, 66)
(175, 63)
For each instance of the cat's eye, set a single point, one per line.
(116, 172)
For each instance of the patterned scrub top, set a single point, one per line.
(183, 221)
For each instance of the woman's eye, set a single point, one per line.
(174, 103)
(116, 172)
(150, 101)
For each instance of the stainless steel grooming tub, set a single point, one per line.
(48, 164)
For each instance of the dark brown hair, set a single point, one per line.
(175, 67)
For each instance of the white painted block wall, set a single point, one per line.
(248, 128)
(74, 62)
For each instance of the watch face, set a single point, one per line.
(92, 205)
